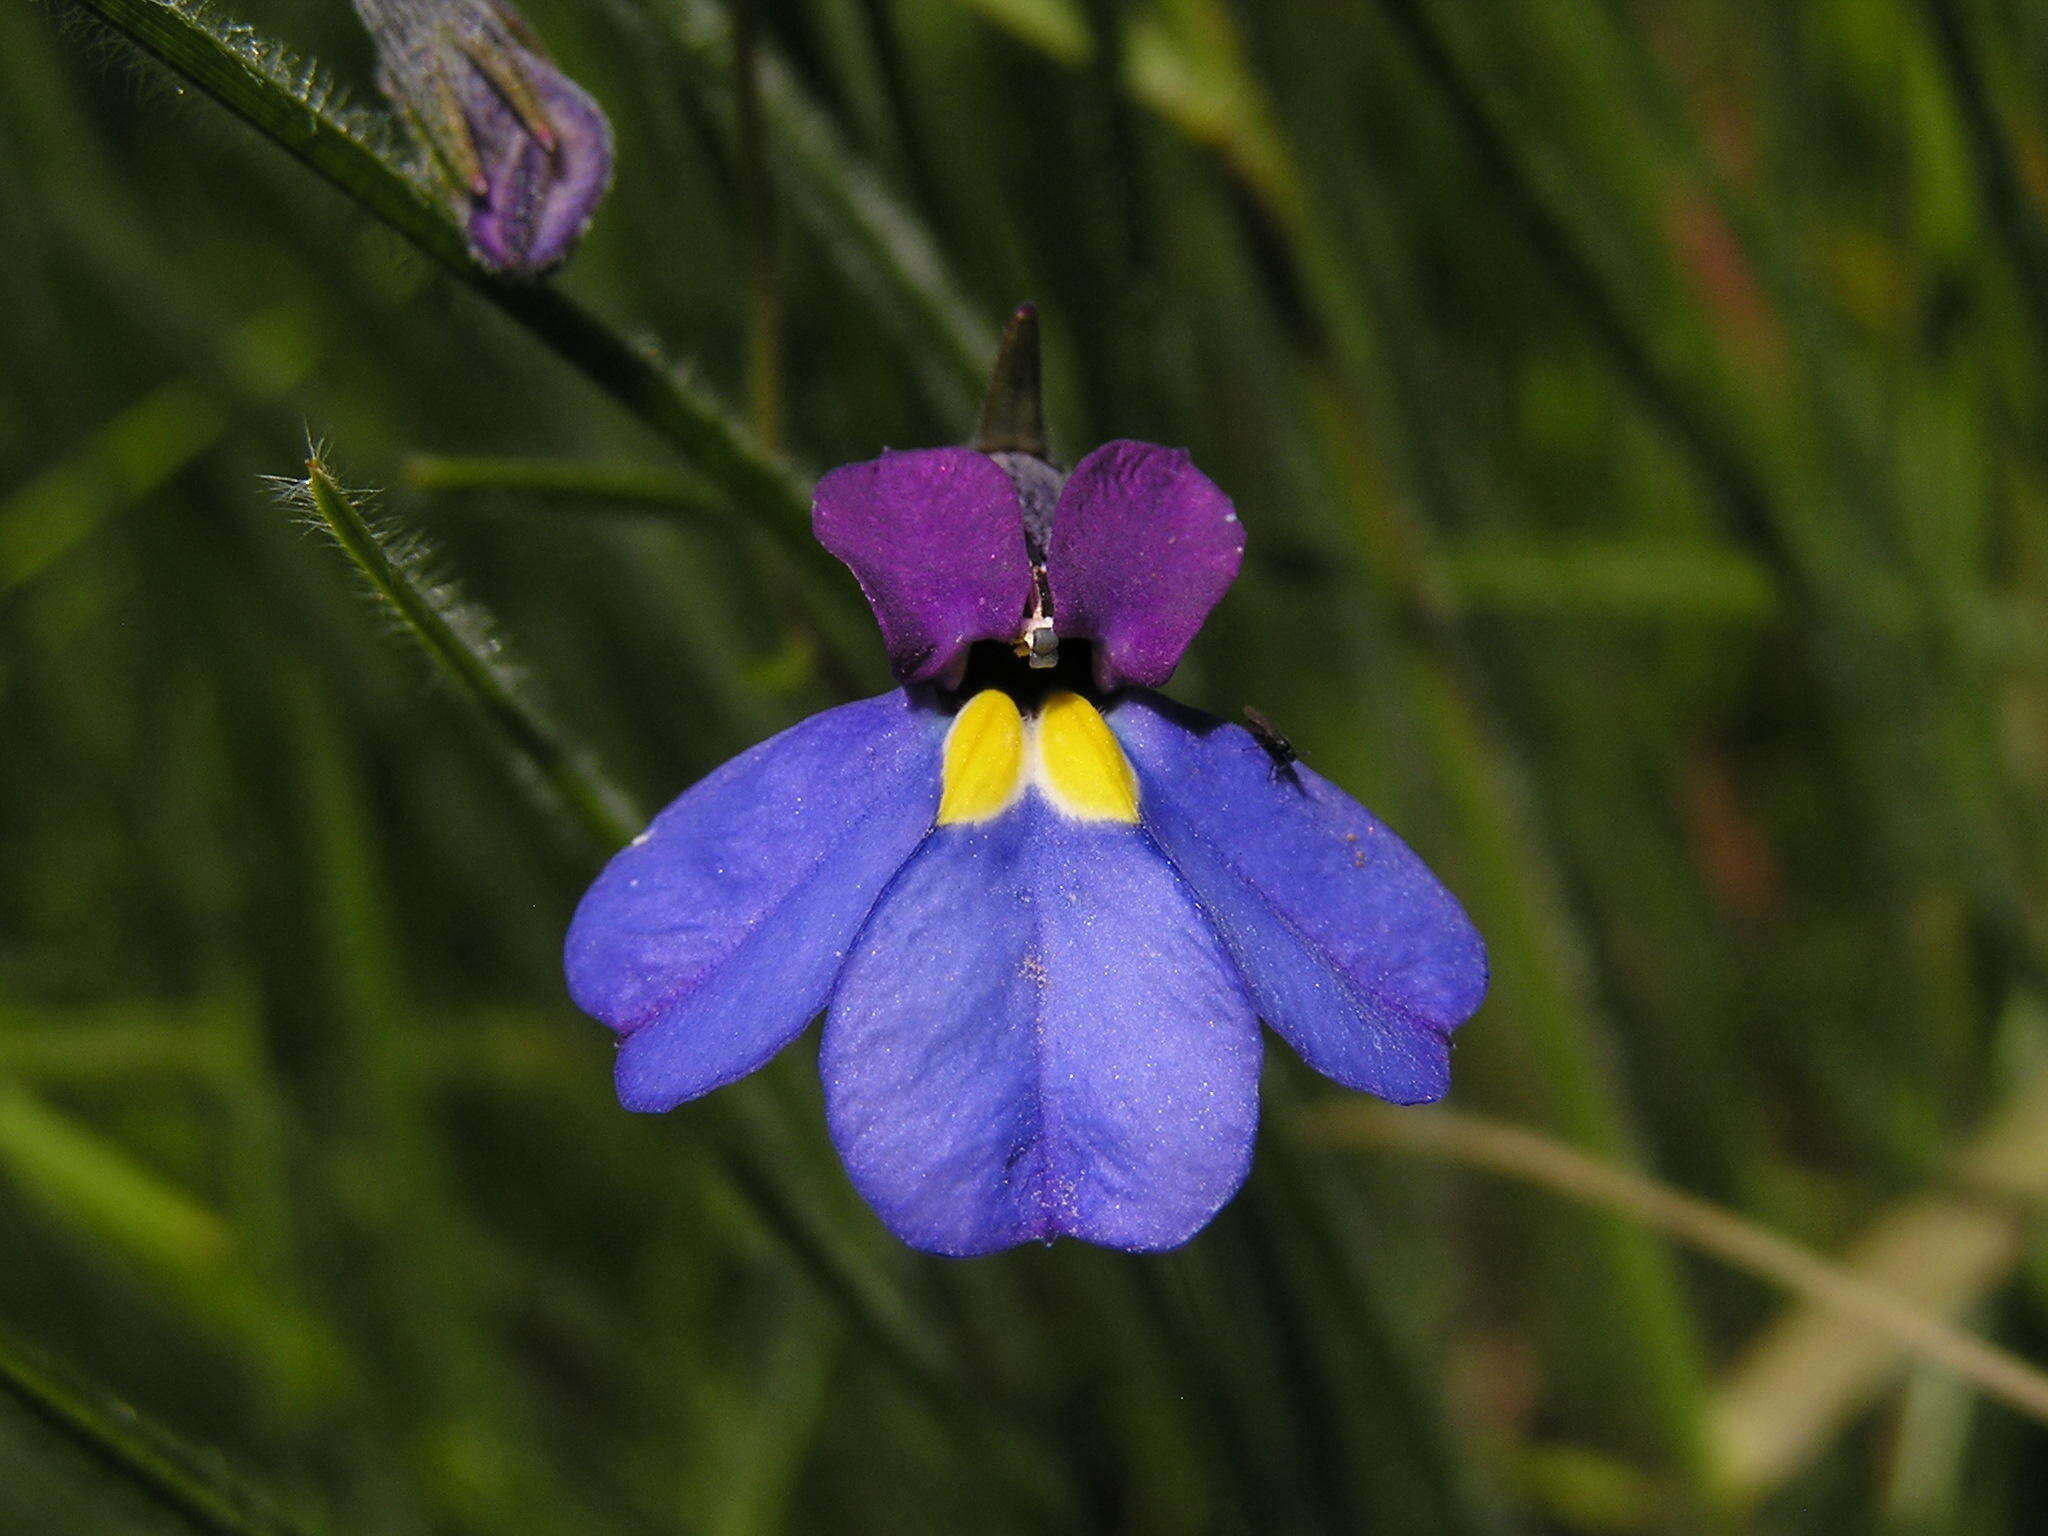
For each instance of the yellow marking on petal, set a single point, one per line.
(984, 759)
(1085, 772)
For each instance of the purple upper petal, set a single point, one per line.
(536, 201)
(1037, 1036)
(715, 937)
(1354, 952)
(936, 539)
(1143, 545)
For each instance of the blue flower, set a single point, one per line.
(1042, 908)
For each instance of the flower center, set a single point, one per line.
(1066, 750)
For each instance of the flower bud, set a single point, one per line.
(523, 151)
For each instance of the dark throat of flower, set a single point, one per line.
(993, 664)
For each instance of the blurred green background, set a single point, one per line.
(1638, 412)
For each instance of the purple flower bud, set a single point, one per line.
(525, 154)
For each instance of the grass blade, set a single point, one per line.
(1513, 1152)
(1795, 1387)
(1722, 463)
(569, 483)
(168, 1473)
(878, 241)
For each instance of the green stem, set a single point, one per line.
(881, 245)
(463, 648)
(637, 487)
(757, 198)
(146, 1455)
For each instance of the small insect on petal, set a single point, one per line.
(1277, 746)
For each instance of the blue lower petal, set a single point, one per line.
(1354, 952)
(1037, 1036)
(715, 938)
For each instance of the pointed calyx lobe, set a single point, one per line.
(1141, 546)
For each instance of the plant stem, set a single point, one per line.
(757, 198)
(1513, 1152)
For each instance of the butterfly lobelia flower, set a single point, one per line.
(1042, 908)
(523, 151)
